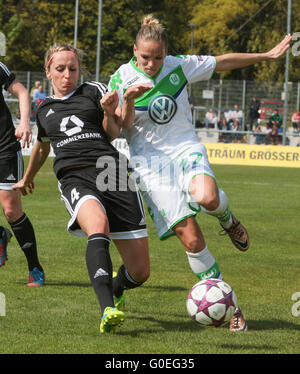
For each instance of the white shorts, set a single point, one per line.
(166, 192)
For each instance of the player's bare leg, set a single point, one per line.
(213, 201)
(135, 269)
(201, 261)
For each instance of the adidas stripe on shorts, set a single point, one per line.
(11, 170)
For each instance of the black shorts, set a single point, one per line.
(124, 209)
(11, 170)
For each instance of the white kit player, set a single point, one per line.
(170, 165)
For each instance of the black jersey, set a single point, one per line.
(73, 125)
(8, 141)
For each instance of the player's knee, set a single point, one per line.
(210, 200)
(145, 274)
(191, 238)
(95, 226)
(11, 214)
(193, 245)
(141, 275)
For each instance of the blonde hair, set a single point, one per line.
(151, 29)
(59, 48)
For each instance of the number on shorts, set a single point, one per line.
(74, 195)
(197, 159)
(196, 156)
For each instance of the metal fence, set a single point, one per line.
(224, 94)
(220, 95)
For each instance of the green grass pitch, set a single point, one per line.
(63, 316)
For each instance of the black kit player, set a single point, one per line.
(11, 171)
(79, 122)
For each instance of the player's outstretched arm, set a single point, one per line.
(128, 112)
(232, 61)
(39, 154)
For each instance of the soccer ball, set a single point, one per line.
(211, 302)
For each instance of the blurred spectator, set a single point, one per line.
(259, 136)
(272, 134)
(296, 120)
(237, 115)
(254, 113)
(35, 88)
(39, 96)
(211, 119)
(224, 136)
(236, 136)
(268, 133)
(227, 116)
(275, 119)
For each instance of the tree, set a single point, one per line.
(32, 26)
(123, 19)
(220, 31)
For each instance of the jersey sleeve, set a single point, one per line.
(96, 91)
(41, 134)
(6, 76)
(198, 68)
(116, 83)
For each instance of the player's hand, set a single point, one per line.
(23, 132)
(109, 102)
(280, 48)
(134, 92)
(23, 185)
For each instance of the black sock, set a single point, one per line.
(123, 281)
(99, 266)
(24, 233)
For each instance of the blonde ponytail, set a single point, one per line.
(151, 29)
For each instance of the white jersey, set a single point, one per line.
(163, 121)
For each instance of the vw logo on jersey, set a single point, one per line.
(162, 109)
(174, 79)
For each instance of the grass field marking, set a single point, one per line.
(296, 306)
(2, 305)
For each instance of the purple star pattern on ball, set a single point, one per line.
(211, 302)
